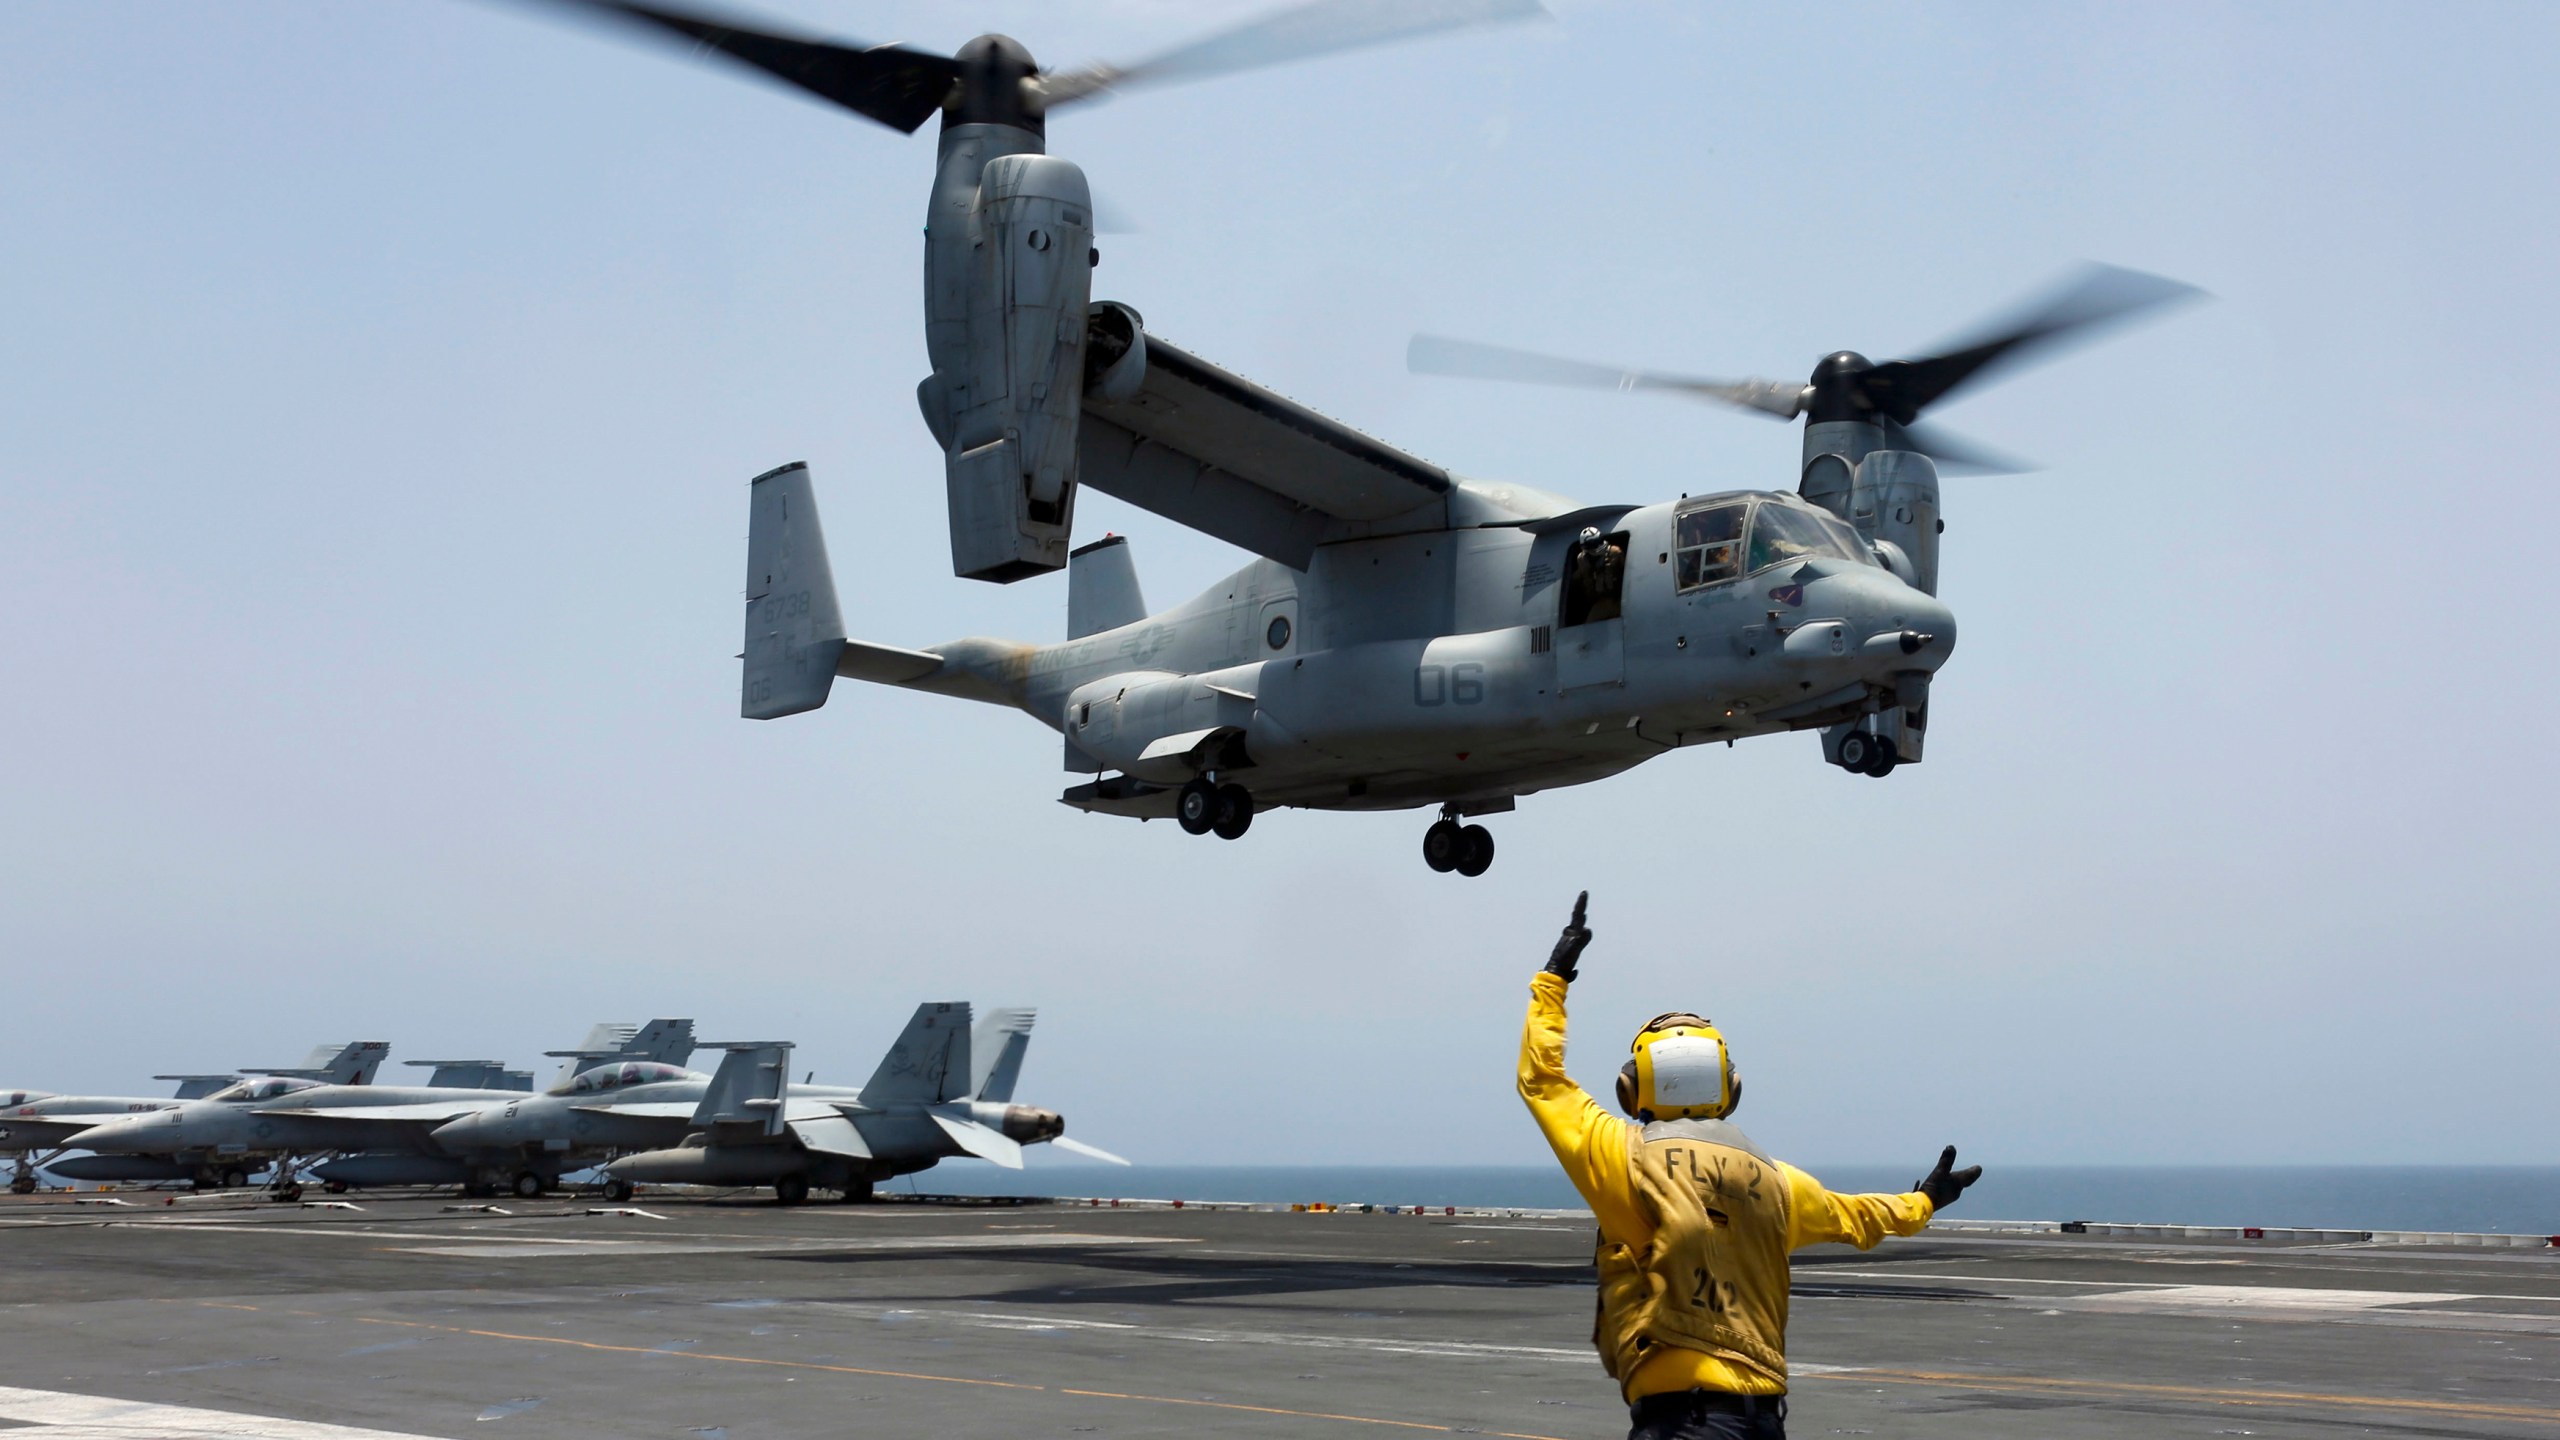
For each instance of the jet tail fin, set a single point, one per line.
(350, 1064)
(668, 1042)
(1102, 588)
(995, 1051)
(930, 1061)
(749, 1088)
(795, 633)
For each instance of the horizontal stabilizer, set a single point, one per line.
(1094, 1152)
(196, 1087)
(980, 1141)
(885, 664)
(794, 631)
(929, 1063)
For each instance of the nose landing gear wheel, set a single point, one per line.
(1857, 752)
(1235, 812)
(233, 1178)
(856, 1192)
(1196, 808)
(617, 1189)
(791, 1189)
(528, 1185)
(1887, 756)
(22, 1185)
(1475, 851)
(1442, 844)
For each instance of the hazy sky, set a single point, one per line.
(378, 383)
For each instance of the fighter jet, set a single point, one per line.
(38, 1127)
(941, 1092)
(288, 1119)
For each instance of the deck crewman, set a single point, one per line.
(1696, 1222)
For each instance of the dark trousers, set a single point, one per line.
(1708, 1415)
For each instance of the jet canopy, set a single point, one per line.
(631, 1072)
(263, 1087)
(1724, 537)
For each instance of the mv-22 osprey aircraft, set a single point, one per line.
(1409, 637)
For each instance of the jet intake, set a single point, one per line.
(710, 1165)
(367, 1170)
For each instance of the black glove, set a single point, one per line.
(1568, 952)
(1944, 1184)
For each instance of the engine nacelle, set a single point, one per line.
(1894, 499)
(1008, 278)
(1024, 1124)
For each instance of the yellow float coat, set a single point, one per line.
(1717, 1279)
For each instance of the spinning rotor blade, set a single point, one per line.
(1299, 32)
(1095, 1152)
(898, 87)
(1439, 355)
(2102, 294)
(1954, 454)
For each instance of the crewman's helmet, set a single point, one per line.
(1679, 1070)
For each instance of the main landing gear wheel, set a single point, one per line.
(1235, 812)
(1858, 751)
(528, 1185)
(1442, 844)
(1475, 851)
(232, 1178)
(1887, 756)
(22, 1185)
(616, 1189)
(1196, 808)
(791, 1189)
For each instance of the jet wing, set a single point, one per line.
(434, 1112)
(830, 1134)
(1209, 449)
(644, 1109)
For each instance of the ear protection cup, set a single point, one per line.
(1627, 1090)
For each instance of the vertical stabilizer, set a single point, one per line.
(930, 1061)
(350, 1064)
(669, 1042)
(1102, 588)
(749, 1087)
(794, 631)
(995, 1052)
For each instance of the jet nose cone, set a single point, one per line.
(116, 1137)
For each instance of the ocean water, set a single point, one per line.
(2496, 1199)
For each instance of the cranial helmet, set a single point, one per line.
(1679, 1070)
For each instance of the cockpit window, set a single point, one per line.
(611, 1077)
(1709, 545)
(262, 1088)
(1781, 533)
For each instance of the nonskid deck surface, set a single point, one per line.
(732, 1321)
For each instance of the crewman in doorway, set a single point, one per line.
(1696, 1222)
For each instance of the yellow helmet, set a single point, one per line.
(1679, 1070)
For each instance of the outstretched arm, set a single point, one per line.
(1590, 1142)
(1816, 1216)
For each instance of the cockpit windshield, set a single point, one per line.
(262, 1087)
(1781, 533)
(635, 1072)
(1709, 548)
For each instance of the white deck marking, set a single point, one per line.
(58, 1415)
(2270, 1298)
(556, 1248)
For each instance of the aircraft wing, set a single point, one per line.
(1209, 449)
(425, 1112)
(830, 1134)
(644, 1109)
